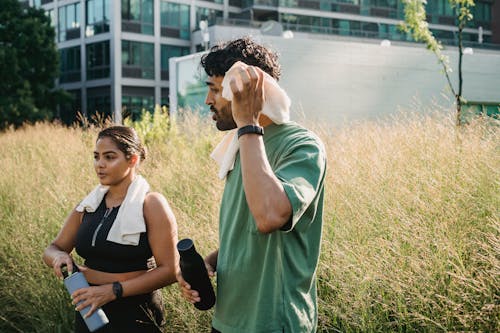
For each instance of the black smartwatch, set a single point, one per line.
(117, 289)
(254, 129)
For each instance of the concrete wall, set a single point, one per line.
(341, 79)
(337, 80)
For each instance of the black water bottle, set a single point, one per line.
(195, 273)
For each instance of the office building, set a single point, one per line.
(115, 54)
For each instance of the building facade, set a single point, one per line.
(114, 55)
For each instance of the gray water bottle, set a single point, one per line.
(77, 281)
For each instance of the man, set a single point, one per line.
(271, 211)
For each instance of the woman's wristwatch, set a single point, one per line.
(117, 289)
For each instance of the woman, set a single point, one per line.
(122, 231)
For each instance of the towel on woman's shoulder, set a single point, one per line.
(129, 222)
(276, 106)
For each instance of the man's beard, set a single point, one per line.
(224, 119)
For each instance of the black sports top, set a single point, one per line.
(106, 256)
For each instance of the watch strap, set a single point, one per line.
(117, 289)
(253, 129)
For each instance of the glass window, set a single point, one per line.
(51, 14)
(98, 60)
(135, 100)
(165, 98)
(70, 64)
(384, 3)
(137, 16)
(69, 22)
(207, 14)
(138, 60)
(69, 112)
(133, 106)
(99, 103)
(175, 20)
(482, 12)
(97, 17)
(167, 52)
(444, 8)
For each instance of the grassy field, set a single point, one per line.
(411, 237)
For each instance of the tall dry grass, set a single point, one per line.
(411, 232)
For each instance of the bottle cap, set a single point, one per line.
(185, 244)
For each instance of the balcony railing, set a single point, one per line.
(350, 32)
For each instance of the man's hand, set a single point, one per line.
(248, 95)
(189, 294)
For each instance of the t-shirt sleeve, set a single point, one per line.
(301, 171)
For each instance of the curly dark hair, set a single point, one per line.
(221, 57)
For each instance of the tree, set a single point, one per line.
(416, 24)
(28, 65)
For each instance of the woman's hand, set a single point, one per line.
(95, 297)
(62, 259)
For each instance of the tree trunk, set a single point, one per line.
(460, 79)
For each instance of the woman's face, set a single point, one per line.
(110, 163)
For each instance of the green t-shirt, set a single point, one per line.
(267, 282)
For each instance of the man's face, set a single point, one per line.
(220, 106)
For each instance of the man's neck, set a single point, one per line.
(264, 120)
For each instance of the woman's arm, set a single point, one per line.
(57, 253)
(162, 236)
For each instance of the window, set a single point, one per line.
(69, 22)
(482, 14)
(444, 8)
(69, 111)
(135, 100)
(138, 60)
(137, 16)
(50, 14)
(175, 20)
(70, 65)
(97, 17)
(167, 52)
(207, 14)
(384, 3)
(98, 60)
(99, 103)
(165, 98)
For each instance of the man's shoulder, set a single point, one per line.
(299, 134)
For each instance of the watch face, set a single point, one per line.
(117, 289)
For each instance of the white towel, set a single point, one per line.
(129, 222)
(276, 106)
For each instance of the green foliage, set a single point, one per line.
(411, 228)
(28, 65)
(416, 24)
(152, 127)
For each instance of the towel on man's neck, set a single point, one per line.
(276, 106)
(129, 222)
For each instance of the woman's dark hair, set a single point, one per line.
(221, 57)
(126, 139)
